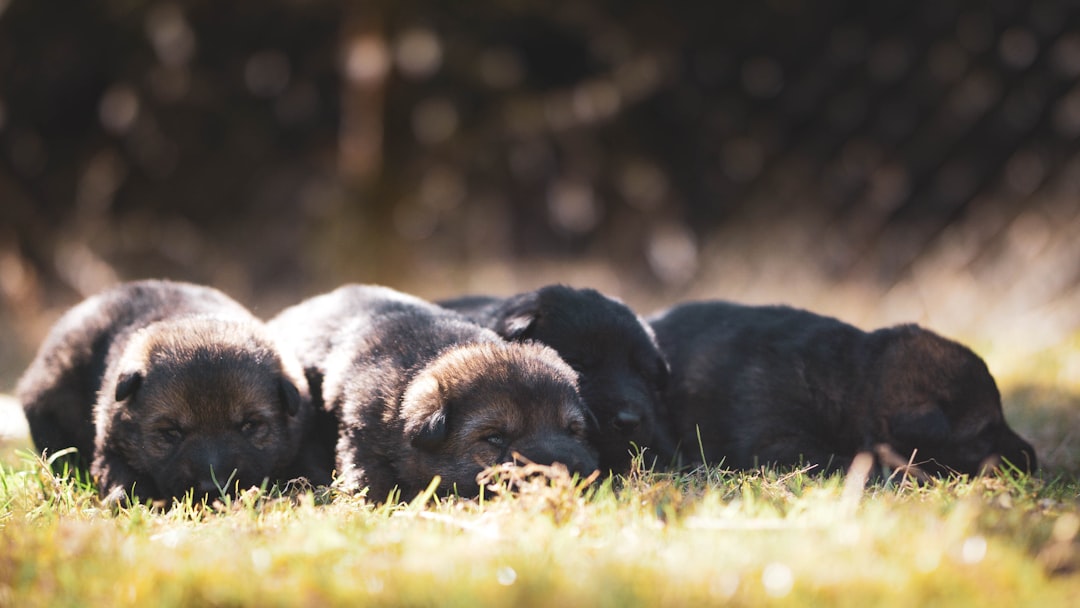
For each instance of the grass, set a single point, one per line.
(651, 539)
(708, 537)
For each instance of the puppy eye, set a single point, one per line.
(496, 439)
(172, 434)
(249, 426)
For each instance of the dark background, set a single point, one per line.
(882, 161)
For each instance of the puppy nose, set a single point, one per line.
(582, 464)
(571, 454)
(1030, 460)
(991, 462)
(626, 422)
(1023, 460)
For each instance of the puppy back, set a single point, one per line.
(76, 348)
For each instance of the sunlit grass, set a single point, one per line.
(707, 537)
(710, 536)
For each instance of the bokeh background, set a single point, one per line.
(883, 162)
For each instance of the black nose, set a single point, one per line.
(1023, 459)
(581, 463)
(570, 453)
(626, 422)
(1018, 452)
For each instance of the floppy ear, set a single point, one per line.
(432, 433)
(127, 384)
(919, 426)
(518, 316)
(663, 373)
(314, 379)
(424, 410)
(290, 395)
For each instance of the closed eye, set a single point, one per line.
(172, 433)
(250, 426)
(576, 428)
(987, 432)
(654, 369)
(573, 363)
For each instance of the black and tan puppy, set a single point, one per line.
(419, 391)
(620, 368)
(784, 386)
(166, 388)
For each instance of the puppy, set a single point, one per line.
(167, 388)
(776, 385)
(620, 369)
(418, 391)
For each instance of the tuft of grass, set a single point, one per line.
(541, 537)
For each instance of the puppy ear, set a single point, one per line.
(290, 395)
(314, 379)
(663, 373)
(425, 410)
(518, 316)
(127, 384)
(920, 426)
(432, 433)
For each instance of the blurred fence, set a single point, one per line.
(882, 161)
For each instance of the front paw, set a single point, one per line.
(115, 498)
(890, 459)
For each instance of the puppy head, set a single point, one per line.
(203, 403)
(938, 397)
(478, 404)
(620, 368)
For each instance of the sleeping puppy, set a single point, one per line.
(417, 391)
(167, 388)
(620, 370)
(777, 385)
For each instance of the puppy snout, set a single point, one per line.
(581, 464)
(1028, 459)
(991, 462)
(627, 422)
(1022, 459)
(574, 457)
(1017, 451)
(210, 469)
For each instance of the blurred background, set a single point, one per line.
(883, 162)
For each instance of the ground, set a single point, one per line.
(709, 537)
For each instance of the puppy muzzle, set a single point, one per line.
(564, 450)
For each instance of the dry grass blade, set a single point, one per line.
(550, 488)
(904, 467)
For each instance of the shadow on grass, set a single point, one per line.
(1048, 417)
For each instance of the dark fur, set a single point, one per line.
(418, 391)
(778, 385)
(620, 368)
(156, 383)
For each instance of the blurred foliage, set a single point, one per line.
(278, 147)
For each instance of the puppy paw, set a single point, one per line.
(116, 498)
(888, 457)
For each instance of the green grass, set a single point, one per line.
(651, 539)
(711, 537)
